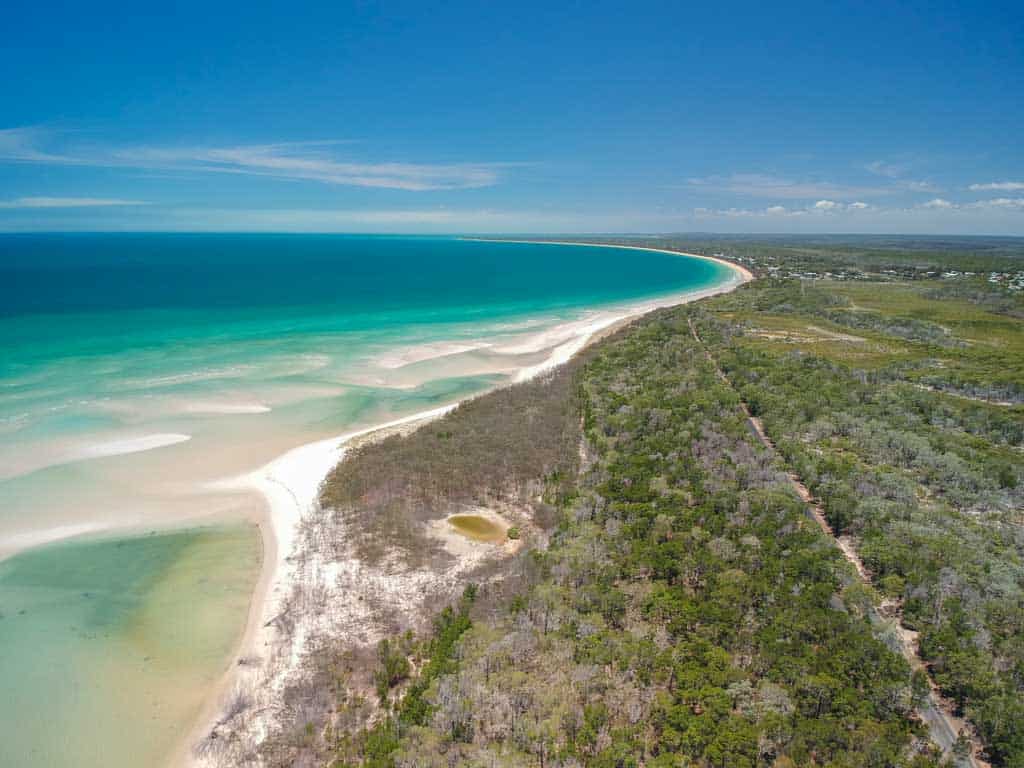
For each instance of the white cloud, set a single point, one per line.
(21, 145)
(425, 220)
(831, 209)
(1000, 216)
(761, 185)
(889, 170)
(731, 213)
(66, 202)
(307, 161)
(998, 186)
(1006, 203)
(819, 207)
(995, 204)
(897, 172)
(440, 220)
(918, 186)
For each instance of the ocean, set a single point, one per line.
(141, 370)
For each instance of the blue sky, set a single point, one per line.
(514, 117)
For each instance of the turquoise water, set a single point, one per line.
(108, 646)
(138, 369)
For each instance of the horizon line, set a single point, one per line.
(495, 235)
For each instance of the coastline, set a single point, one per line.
(289, 486)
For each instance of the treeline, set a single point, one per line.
(686, 612)
(912, 258)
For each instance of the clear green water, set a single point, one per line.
(477, 527)
(247, 345)
(108, 646)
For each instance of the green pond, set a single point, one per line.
(477, 527)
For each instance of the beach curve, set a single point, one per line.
(289, 486)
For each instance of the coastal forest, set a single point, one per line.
(782, 526)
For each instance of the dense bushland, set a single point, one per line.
(930, 486)
(686, 611)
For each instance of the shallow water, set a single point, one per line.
(109, 646)
(137, 370)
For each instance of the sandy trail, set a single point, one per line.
(937, 712)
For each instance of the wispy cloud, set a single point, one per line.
(998, 203)
(889, 170)
(827, 209)
(998, 186)
(22, 145)
(306, 161)
(765, 186)
(441, 220)
(915, 185)
(819, 208)
(67, 202)
(938, 203)
(898, 172)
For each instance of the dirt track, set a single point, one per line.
(937, 712)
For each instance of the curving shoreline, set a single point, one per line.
(289, 486)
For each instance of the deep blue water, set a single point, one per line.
(103, 272)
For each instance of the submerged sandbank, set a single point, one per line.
(68, 454)
(131, 631)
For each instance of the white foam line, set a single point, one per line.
(564, 352)
(227, 409)
(20, 541)
(429, 351)
(129, 445)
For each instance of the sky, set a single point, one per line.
(514, 117)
